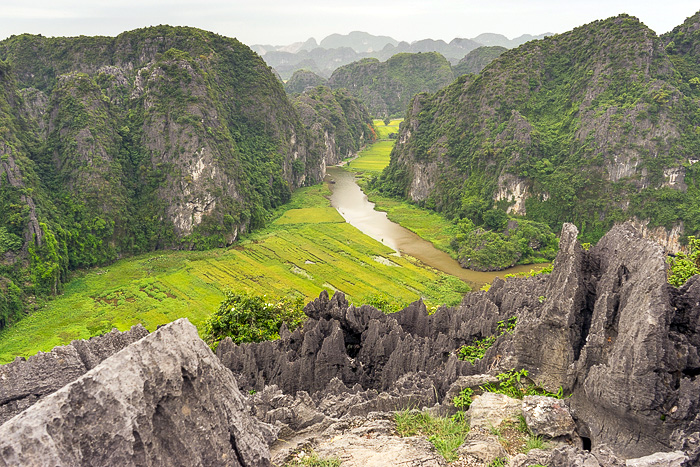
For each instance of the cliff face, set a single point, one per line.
(594, 126)
(337, 120)
(386, 88)
(157, 138)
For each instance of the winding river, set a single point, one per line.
(353, 205)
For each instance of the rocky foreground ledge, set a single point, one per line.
(604, 326)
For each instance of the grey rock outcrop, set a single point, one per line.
(547, 416)
(604, 326)
(24, 382)
(164, 400)
(533, 457)
(659, 459)
(482, 447)
(490, 409)
(372, 444)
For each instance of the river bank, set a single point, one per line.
(352, 203)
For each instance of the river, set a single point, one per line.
(357, 210)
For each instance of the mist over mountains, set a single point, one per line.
(337, 50)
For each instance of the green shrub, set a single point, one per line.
(11, 305)
(517, 384)
(535, 442)
(527, 242)
(498, 462)
(313, 460)
(384, 303)
(685, 266)
(477, 350)
(246, 317)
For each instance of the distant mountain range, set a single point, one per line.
(337, 50)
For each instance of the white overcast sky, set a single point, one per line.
(284, 22)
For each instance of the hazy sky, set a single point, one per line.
(284, 22)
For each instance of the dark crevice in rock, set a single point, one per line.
(17, 397)
(583, 321)
(352, 343)
(587, 445)
(676, 380)
(234, 447)
(139, 448)
(691, 373)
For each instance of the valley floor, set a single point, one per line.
(308, 248)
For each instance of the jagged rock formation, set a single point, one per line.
(604, 325)
(387, 87)
(593, 126)
(158, 138)
(25, 382)
(164, 400)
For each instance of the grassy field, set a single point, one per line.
(374, 158)
(306, 249)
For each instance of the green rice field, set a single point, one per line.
(306, 249)
(375, 157)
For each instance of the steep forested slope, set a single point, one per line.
(338, 122)
(593, 126)
(302, 80)
(477, 59)
(386, 88)
(158, 138)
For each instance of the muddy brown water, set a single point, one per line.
(358, 211)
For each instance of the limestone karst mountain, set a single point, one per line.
(387, 87)
(593, 126)
(342, 49)
(164, 137)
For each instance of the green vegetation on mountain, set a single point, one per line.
(593, 126)
(158, 138)
(477, 59)
(386, 88)
(302, 80)
(501, 243)
(338, 122)
(684, 266)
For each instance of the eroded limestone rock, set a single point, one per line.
(482, 447)
(659, 459)
(547, 416)
(25, 381)
(490, 409)
(164, 400)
